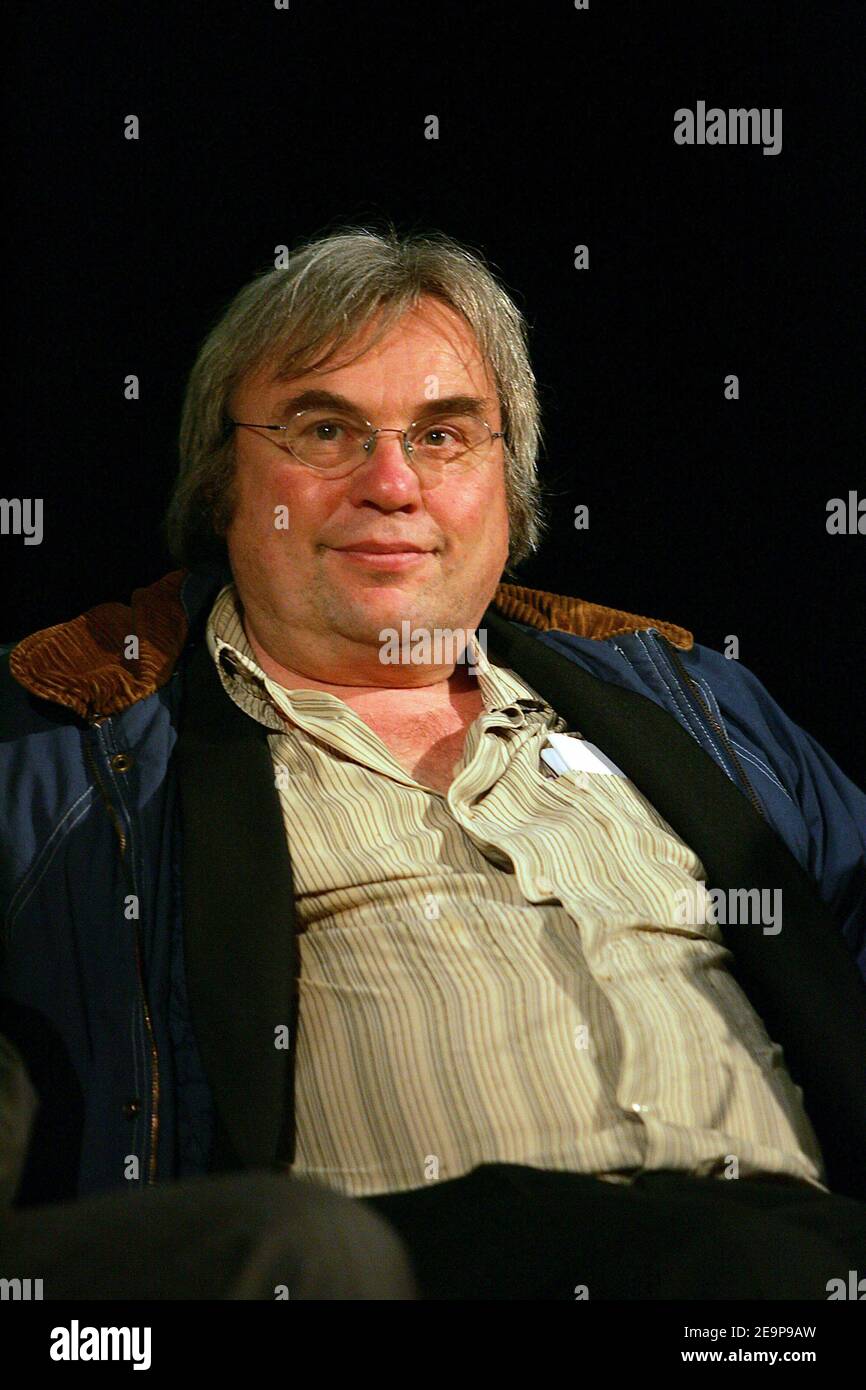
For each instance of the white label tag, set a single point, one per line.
(568, 754)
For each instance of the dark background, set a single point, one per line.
(261, 127)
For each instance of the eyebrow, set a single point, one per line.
(316, 399)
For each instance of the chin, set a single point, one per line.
(387, 610)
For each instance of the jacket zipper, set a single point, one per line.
(154, 1059)
(713, 722)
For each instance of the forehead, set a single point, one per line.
(431, 338)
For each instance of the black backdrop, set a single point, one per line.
(262, 126)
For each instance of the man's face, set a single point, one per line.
(318, 610)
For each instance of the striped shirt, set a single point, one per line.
(498, 974)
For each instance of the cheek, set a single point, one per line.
(271, 508)
(488, 512)
(252, 497)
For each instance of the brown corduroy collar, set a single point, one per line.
(81, 663)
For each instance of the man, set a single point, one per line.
(278, 898)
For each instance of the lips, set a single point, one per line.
(396, 557)
(384, 548)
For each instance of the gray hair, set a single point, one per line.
(300, 316)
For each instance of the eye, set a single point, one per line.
(324, 430)
(445, 435)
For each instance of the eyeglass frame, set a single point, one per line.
(374, 432)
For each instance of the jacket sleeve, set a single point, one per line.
(18, 1104)
(835, 812)
(832, 807)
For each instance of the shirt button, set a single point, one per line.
(639, 1109)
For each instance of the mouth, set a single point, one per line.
(384, 555)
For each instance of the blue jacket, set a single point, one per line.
(136, 796)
